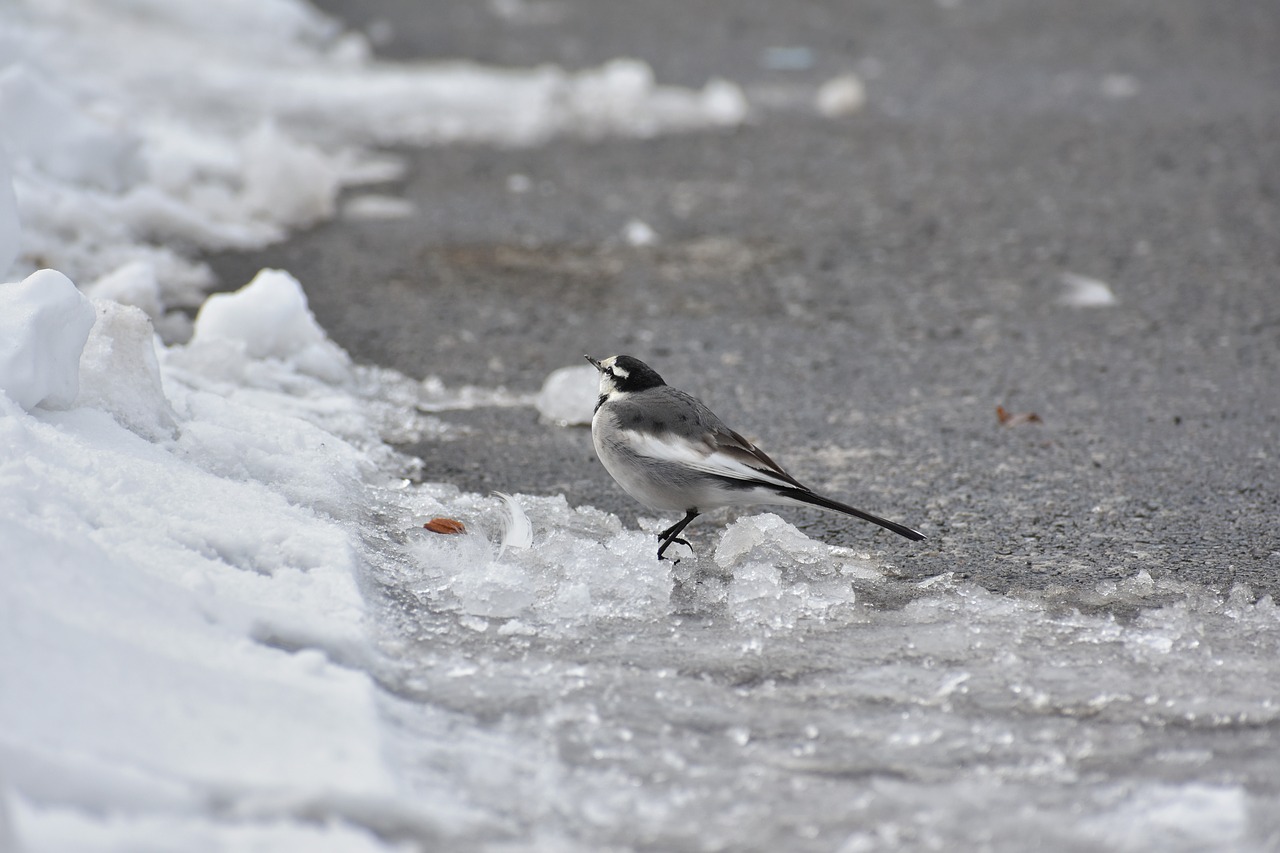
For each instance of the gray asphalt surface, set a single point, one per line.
(859, 294)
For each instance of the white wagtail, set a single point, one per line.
(671, 453)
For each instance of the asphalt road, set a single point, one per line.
(860, 294)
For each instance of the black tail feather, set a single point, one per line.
(827, 503)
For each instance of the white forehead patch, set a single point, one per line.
(610, 364)
(611, 375)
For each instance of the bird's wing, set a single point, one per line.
(735, 446)
(722, 453)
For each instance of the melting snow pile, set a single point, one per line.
(170, 539)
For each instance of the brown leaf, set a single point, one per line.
(1013, 419)
(445, 525)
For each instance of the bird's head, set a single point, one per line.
(624, 374)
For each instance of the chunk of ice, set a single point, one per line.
(568, 396)
(269, 318)
(1083, 292)
(44, 323)
(841, 96)
(119, 372)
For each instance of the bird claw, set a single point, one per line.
(675, 560)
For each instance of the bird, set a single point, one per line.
(673, 454)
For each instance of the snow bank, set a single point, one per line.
(180, 624)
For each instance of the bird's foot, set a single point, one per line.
(684, 542)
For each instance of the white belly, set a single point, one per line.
(642, 480)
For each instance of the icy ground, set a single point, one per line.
(224, 627)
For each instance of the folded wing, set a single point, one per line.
(721, 454)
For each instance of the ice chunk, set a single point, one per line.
(841, 96)
(723, 103)
(637, 232)
(568, 396)
(780, 575)
(582, 567)
(119, 372)
(1083, 292)
(269, 318)
(766, 537)
(44, 322)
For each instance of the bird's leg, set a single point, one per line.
(672, 533)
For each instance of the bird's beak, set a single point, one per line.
(594, 363)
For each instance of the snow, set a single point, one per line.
(183, 624)
(174, 617)
(120, 374)
(377, 206)
(44, 322)
(10, 232)
(269, 318)
(223, 625)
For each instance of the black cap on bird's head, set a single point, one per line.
(625, 373)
